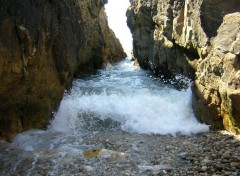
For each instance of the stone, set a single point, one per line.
(170, 148)
(154, 168)
(42, 50)
(104, 153)
(234, 164)
(183, 155)
(88, 168)
(227, 155)
(206, 161)
(204, 168)
(199, 39)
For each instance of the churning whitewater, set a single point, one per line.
(130, 97)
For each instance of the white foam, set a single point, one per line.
(131, 97)
(27, 140)
(123, 93)
(37, 140)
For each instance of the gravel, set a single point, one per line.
(115, 152)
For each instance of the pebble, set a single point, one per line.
(183, 154)
(212, 153)
(234, 164)
(88, 168)
(169, 148)
(206, 161)
(227, 155)
(204, 168)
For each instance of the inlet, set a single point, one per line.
(119, 120)
(119, 98)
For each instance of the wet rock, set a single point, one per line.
(104, 153)
(183, 155)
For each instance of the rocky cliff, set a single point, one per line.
(197, 38)
(43, 45)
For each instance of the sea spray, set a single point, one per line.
(119, 98)
(140, 102)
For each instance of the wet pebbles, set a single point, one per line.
(121, 153)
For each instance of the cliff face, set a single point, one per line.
(43, 44)
(200, 39)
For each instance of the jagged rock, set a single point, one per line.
(199, 39)
(217, 86)
(152, 26)
(43, 44)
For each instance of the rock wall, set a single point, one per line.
(197, 38)
(43, 45)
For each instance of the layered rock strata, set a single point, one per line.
(43, 45)
(197, 38)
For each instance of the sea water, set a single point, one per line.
(133, 97)
(123, 97)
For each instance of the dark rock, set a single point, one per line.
(43, 44)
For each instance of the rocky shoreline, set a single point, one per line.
(116, 152)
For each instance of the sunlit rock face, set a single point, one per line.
(199, 39)
(43, 45)
(216, 89)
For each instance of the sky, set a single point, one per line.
(116, 12)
